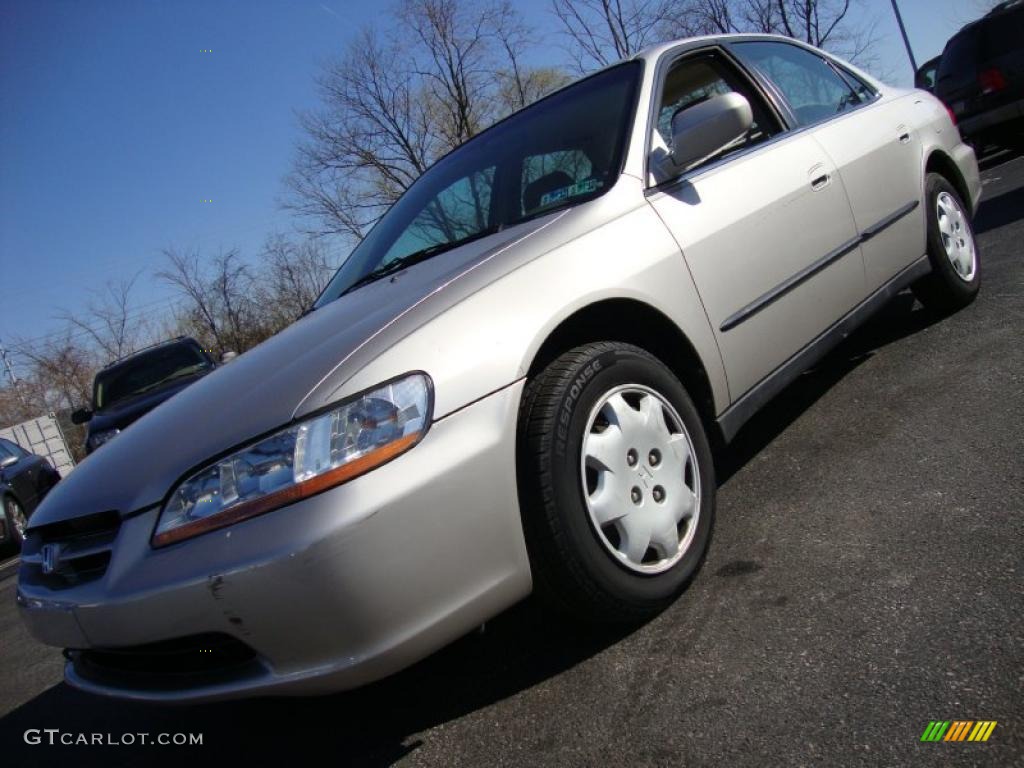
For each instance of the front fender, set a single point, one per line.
(489, 339)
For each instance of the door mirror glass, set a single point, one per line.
(81, 416)
(708, 127)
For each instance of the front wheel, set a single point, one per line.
(616, 482)
(956, 265)
(15, 520)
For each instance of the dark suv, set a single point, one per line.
(981, 77)
(132, 386)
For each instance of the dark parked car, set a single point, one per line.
(24, 480)
(981, 77)
(925, 76)
(128, 388)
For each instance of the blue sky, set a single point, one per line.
(115, 126)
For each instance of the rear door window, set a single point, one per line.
(813, 89)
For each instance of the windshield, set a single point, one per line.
(146, 372)
(561, 151)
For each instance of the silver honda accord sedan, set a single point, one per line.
(514, 382)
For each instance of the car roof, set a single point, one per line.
(152, 347)
(1011, 6)
(652, 53)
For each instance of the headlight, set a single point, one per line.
(301, 460)
(99, 438)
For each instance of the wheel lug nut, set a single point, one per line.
(658, 493)
(631, 457)
(636, 495)
(654, 458)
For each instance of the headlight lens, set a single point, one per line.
(99, 438)
(301, 460)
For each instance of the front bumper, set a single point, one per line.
(329, 593)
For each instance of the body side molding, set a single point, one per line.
(736, 415)
(768, 298)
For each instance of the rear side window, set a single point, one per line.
(813, 89)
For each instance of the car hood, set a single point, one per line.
(261, 390)
(125, 412)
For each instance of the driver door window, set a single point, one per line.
(689, 82)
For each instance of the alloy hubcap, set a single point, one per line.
(640, 479)
(957, 239)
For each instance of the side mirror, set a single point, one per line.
(705, 128)
(81, 416)
(228, 356)
(6, 461)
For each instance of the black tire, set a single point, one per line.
(573, 571)
(12, 509)
(944, 291)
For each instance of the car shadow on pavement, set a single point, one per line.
(372, 726)
(998, 156)
(900, 318)
(1000, 210)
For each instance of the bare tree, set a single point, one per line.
(397, 100)
(219, 299)
(600, 32)
(60, 373)
(828, 24)
(291, 278)
(108, 321)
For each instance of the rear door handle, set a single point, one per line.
(904, 134)
(820, 182)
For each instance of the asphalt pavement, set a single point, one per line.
(864, 580)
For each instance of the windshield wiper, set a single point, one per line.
(396, 265)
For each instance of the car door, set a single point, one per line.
(874, 144)
(766, 229)
(20, 474)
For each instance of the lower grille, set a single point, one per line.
(184, 662)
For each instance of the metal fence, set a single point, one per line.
(43, 436)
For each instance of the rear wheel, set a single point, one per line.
(16, 521)
(616, 482)
(956, 265)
